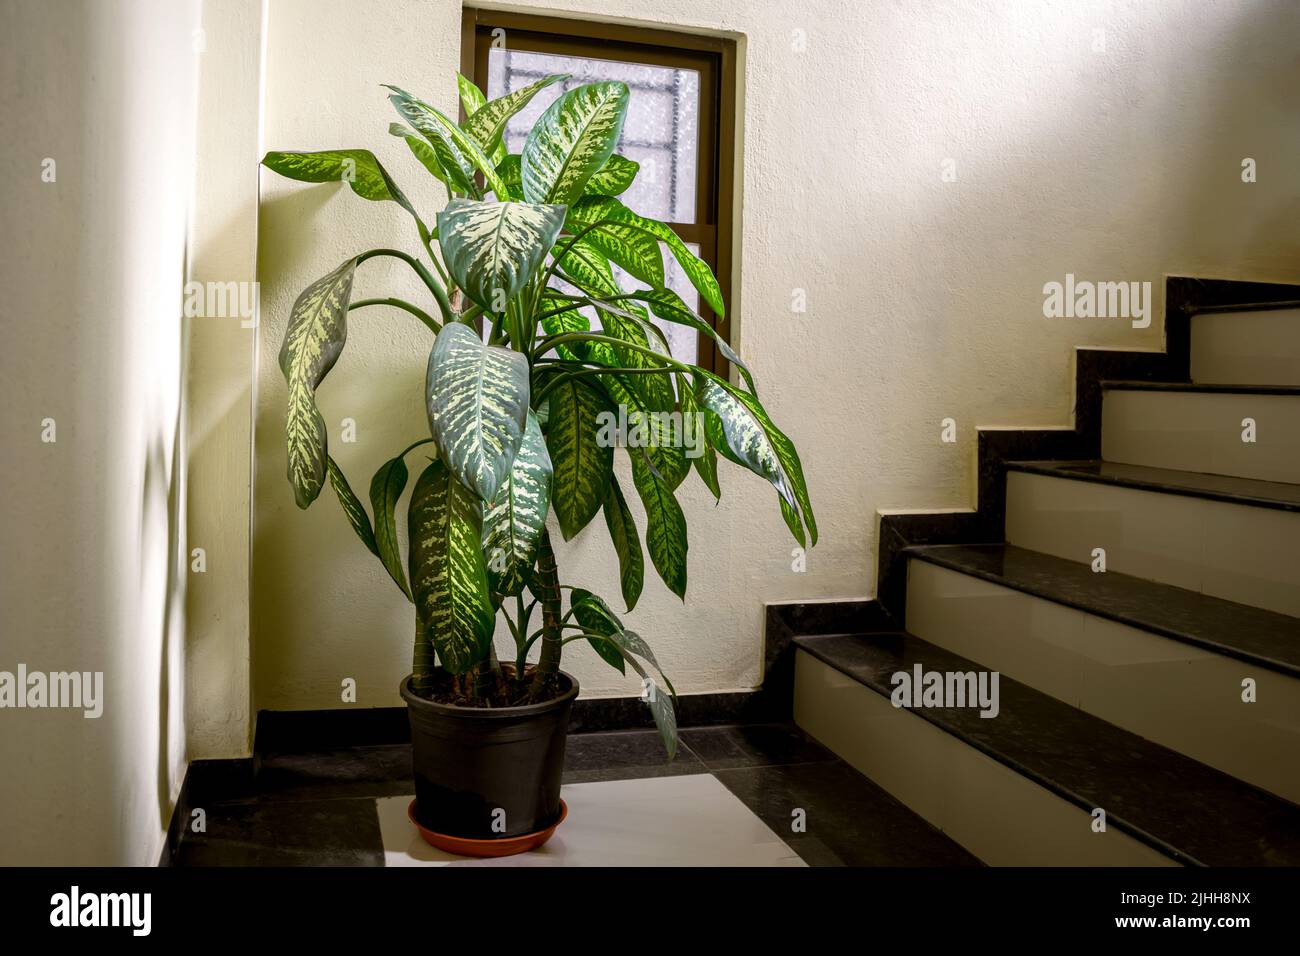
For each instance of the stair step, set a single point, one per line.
(1199, 428)
(1232, 538)
(1250, 634)
(1245, 491)
(1165, 801)
(1162, 662)
(1259, 347)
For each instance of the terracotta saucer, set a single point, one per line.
(503, 846)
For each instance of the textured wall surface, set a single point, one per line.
(1113, 155)
(92, 578)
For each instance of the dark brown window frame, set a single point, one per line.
(715, 60)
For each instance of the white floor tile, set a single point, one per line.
(659, 821)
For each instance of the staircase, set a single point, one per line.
(1148, 713)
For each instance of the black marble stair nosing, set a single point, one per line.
(1169, 481)
(1200, 387)
(948, 557)
(1185, 296)
(1058, 716)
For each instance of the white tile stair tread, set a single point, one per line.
(690, 820)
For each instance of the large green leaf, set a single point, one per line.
(665, 533)
(492, 249)
(448, 573)
(471, 97)
(477, 399)
(438, 127)
(583, 467)
(571, 141)
(606, 209)
(312, 344)
(614, 177)
(487, 123)
(352, 507)
(741, 429)
(357, 167)
(627, 544)
(514, 521)
(668, 305)
(386, 488)
(653, 431)
(635, 251)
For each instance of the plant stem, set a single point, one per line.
(419, 313)
(423, 663)
(422, 271)
(548, 582)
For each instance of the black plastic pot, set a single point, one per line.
(471, 762)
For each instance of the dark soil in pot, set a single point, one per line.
(479, 766)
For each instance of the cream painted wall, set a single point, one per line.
(924, 297)
(93, 573)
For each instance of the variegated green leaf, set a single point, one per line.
(471, 97)
(477, 398)
(582, 466)
(635, 251)
(514, 521)
(448, 573)
(421, 149)
(706, 462)
(614, 177)
(386, 487)
(740, 428)
(487, 124)
(352, 507)
(594, 615)
(356, 167)
(433, 123)
(661, 707)
(668, 305)
(665, 533)
(571, 141)
(512, 176)
(492, 249)
(568, 320)
(607, 209)
(627, 544)
(312, 344)
(653, 430)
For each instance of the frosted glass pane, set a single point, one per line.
(661, 132)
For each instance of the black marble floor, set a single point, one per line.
(318, 809)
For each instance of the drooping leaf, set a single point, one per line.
(593, 209)
(627, 544)
(572, 140)
(448, 573)
(357, 167)
(706, 461)
(653, 431)
(433, 123)
(514, 521)
(661, 708)
(487, 124)
(477, 399)
(594, 616)
(492, 249)
(386, 487)
(614, 177)
(668, 305)
(665, 533)
(742, 431)
(312, 344)
(582, 465)
(352, 507)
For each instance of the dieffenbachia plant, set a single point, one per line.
(520, 386)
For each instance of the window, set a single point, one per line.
(680, 128)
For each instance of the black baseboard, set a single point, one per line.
(1184, 297)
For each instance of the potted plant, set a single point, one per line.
(522, 389)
